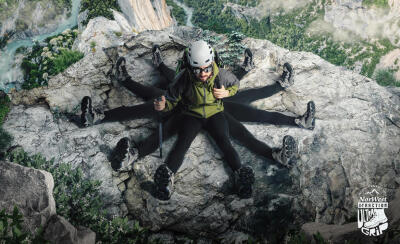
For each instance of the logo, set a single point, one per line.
(371, 211)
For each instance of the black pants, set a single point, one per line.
(235, 110)
(216, 126)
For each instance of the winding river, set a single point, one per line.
(8, 73)
(188, 12)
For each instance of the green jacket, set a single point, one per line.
(197, 97)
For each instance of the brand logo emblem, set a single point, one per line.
(371, 211)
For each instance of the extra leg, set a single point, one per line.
(246, 113)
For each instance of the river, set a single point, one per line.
(188, 12)
(8, 73)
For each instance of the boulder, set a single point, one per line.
(30, 190)
(59, 230)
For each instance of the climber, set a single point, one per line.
(203, 107)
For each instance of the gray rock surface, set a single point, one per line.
(59, 230)
(355, 142)
(30, 190)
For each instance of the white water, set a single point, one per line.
(188, 12)
(8, 73)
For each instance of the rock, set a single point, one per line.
(59, 230)
(146, 15)
(122, 22)
(82, 17)
(99, 33)
(391, 61)
(354, 144)
(336, 233)
(30, 190)
(167, 238)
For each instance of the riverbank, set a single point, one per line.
(10, 73)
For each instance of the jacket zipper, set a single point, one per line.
(204, 106)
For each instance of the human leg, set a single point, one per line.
(282, 155)
(144, 110)
(128, 151)
(145, 92)
(158, 62)
(217, 127)
(246, 113)
(249, 95)
(186, 134)
(240, 133)
(170, 127)
(164, 175)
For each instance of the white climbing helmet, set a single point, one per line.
(200, 54)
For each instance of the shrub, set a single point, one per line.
(378, 3)
(51, 59)
(11, 230)
(4, 107)
(99, 8)
(80, 202)
(5, 141)
(64, 60)
(385, 77)
(177, 12)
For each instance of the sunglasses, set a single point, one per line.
(197, 70)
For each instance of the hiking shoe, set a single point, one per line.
(248, 63)
(89, 116)
(244, 180)
(121, 73)
(124, 155)
(287, 77)
(286, 155)
(157, 59)
(307, 120)
(378, 217)
(164, 181)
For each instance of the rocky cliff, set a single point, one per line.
(146, 14)
(355, 142)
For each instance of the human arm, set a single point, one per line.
(229, 84)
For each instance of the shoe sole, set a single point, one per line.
(86, 107)
(162, 176)
(118, 64)
(289, 147)
(311, 112)
(161, 180)
(248, 58)
(246, 181)
(119, 153)
(290, 73)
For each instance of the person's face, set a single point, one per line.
(203, 72)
